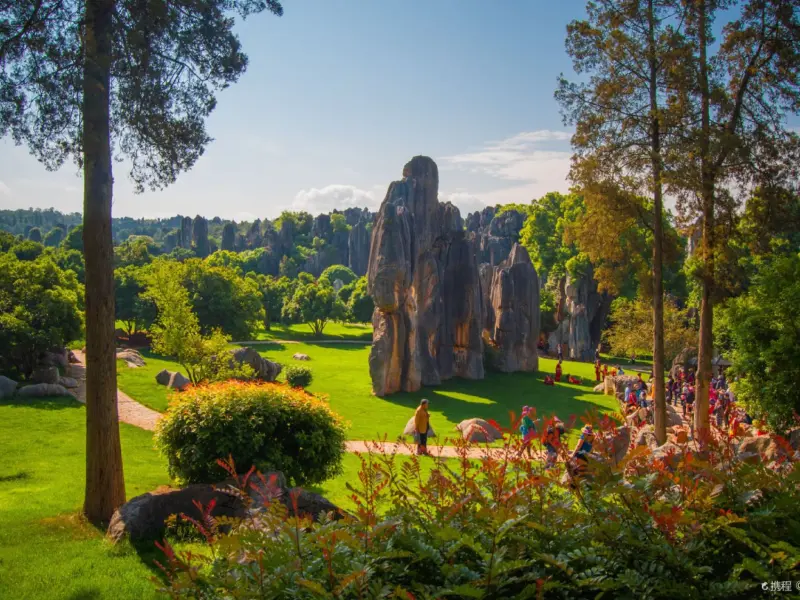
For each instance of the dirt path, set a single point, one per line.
(310, 341)
(130, 411)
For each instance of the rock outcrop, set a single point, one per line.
(45, 375)
(264, 369)
(512, 313)
(494, 236)
(358, 248)
(7, 387)
(131, 357)
(423, 278)
(178, 381)
(479, 431)
(42, 390)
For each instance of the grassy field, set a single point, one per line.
(333, 331)
(46, 549)
(341, 372)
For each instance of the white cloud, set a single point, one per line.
(4, 189)
(537, 162)
(339, 196)
(465, 201)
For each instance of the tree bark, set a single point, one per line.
(660, 409)
(105, 486)
(705, 344)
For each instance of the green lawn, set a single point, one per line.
(341, 372)
(140, 383)
(333, 331)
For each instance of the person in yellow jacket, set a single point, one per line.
(422, 422)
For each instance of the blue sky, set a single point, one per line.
(339, 94)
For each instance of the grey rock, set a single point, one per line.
(411, 428)
(73, 360)
(57, 358)
(7, 387)
(264, 369)
(41, 390)
(300, 356)
(68, 382)
(479, 431)
(163, 377)
(131, 357)
(45, 375)
(620, 444)
(178, 381)
(358, 248)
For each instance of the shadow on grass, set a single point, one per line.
(85, 594)
(21, 475)
(47, 403)
(500, 394)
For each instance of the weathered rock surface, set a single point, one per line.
(620, 444)
(512, 319)
(178, 381)
(264, 369)
(646, 437)
(144, 517)
(681, 361)
(68, 382)
(479, 431)
(492, 236)
(163, 377)
(615, 386)
(45, 375)
(423, 278)
(56, 358)
(300, 356)
(131, 357)
(40, 390)
(7, 387)
(358, 248)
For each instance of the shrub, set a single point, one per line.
(266, 425)
(299, 376)
(508, 528)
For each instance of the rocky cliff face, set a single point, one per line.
(433, 303)
(581, 313)
(512, 312)
(494, 236)
(424, 281)
(358, 248)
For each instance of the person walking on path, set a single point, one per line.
(422, 421)
(528, 430)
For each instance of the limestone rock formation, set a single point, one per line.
(411, 427)
(131, 357)
(494, 236)
(512, 313)
(178, 381)
(479, 431)
(7, 387)
(163, 377)
(45, 375)
(358, 248)
(423, 278)
(42, 390)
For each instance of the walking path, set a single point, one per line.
(309, 341)
(138, 415)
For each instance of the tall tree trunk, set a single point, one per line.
(705, 343)
(105, 486)
(660, 414)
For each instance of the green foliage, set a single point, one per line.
(27, 250)
(74, 239)
(340, 272)
(547, 310)
(299, 376)
(268, 426)
(131, 305)
(40, 309)
(35, 235)
(228, 258)
(522, 209)
(631, 330)
(137, 250)
(361, 305)
(315, 304)
(273, 295)
(288, 267)
(222, 298)
(578, 266)
(509, 528)
(543, 232)
(339, 223)
(54, 237)
(760, 332)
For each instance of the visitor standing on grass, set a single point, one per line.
(422, 422)
(597, 369)
(528, 430)
(558, 370)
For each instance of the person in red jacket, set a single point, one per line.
(558, 371)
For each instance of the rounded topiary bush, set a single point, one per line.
(299, 376)
(266, 425)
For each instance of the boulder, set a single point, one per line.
(619, 383)
(144, 517)
(794, 439)
(73, 360)
(40, 390)
(670, 453)
(131, 357)
(68, 382)
(512, 305)
(600, 387)
(300, 356)
(358, 248)
(178, 381)
(264, 369)
(58, 358)
(411, 426)
(311, 505)
(646, 437)
(681, 361)
(478, 430)
(757, 449)
(423, 277)
(674, 418)
(163, 377)
(620, 444)
(45, 375)
(7, 387)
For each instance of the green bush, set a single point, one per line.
(265, 425)
(299, 376)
